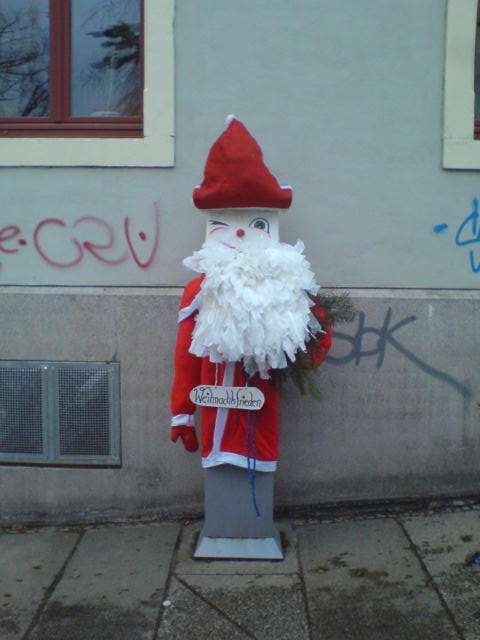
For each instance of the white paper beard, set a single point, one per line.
(254, 306)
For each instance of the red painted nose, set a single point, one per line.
(240, 233)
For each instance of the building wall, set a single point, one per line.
(346, 102)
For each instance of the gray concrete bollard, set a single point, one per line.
(231, 527)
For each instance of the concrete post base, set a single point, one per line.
(240, 548)
(231, 528)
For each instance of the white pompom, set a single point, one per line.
(229, 119)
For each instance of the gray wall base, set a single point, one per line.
(232, 529)
(398, 418)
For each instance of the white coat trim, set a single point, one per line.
(183, 420)
(225, 457)
(222, 414)
(185, 312)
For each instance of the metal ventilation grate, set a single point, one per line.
(59, 412)
(84, 412)
(21, 423)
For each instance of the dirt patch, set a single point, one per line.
(8, 622)
(437, 550)
(98, 622)
(321, 569)
(374, 576)
(338, 561)
(364, 614)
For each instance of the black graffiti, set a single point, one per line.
(385, 337)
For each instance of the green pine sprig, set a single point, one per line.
(339, 309)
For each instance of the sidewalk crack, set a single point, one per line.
(301, 575)
(51, 588)
(431, 580)
(173, 561)
(213, 606)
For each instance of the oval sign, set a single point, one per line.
(249, 398)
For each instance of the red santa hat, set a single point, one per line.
(235, 175)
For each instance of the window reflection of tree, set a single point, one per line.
(23, 64)
(120, 67)
(24, 59)
(124, 39)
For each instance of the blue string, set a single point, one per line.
(251, 470)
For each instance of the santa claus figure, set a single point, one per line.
(248, 313)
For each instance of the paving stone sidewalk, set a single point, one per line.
(389, 577)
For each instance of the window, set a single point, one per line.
(71, 67)
(86, 82)
(461, 147)
(476, 83)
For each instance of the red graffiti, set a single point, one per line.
(70, 238)
(143, 265)
(5, 237)
(53, 263)
(94, 248)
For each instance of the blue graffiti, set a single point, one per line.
(385, 337)
(468, 235)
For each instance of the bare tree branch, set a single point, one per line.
(23, 59)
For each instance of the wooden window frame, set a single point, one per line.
(59, 122)
(476, 124)
(157, 146)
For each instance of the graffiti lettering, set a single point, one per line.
(386, 338)
(147, 263)
(53, 237)
(468, 235)
(95, 248)
(36, 242)
(6, 234)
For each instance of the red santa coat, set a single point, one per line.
(224, 431)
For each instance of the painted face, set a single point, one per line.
(234, 226)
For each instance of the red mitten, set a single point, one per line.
(188, 436)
